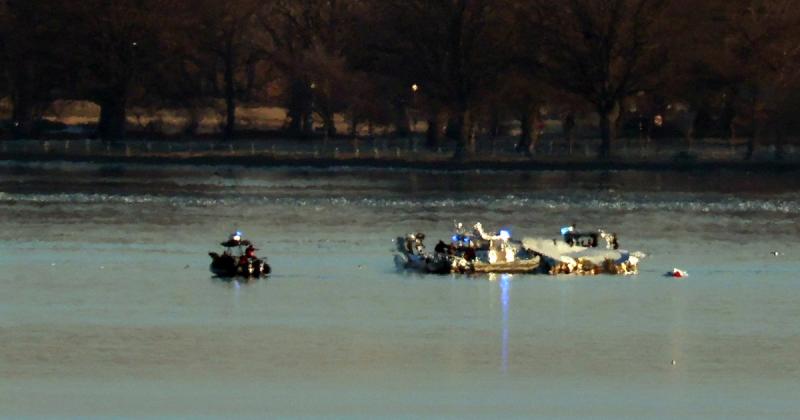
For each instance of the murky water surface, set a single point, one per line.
(107, 307)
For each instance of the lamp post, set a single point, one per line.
(414, 89)
(310, 119)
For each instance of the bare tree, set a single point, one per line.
(762, 58)
(230, 50)
(454, 50)
(310, 39)
(29, 31)
(600, 50)
(112, 47)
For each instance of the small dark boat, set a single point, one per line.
(238, 259)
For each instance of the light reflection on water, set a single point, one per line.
(505, 300)
(503, 282)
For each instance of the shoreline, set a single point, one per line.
(444, 165)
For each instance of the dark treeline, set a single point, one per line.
(465, 67)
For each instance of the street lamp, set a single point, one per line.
(414, 89)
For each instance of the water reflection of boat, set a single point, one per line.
(479, 252)
(238, 259)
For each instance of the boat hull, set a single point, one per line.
(446, 264)
(228, 267)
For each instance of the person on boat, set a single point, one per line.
(568, 232)
(441, 248)
(414, 243)
(591, 242)
(250, 252)
(469, 253)
(243, 262)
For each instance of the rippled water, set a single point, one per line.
(107, 307)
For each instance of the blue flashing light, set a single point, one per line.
(505, 234)
(455, 238)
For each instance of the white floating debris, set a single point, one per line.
(673, 362)
(776, 253)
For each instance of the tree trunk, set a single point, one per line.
(308, 122)
(537, 132)
(494, 124)
(353, 127)
(569, 130)
(524, 142)
(22, 98)
(433, 133)
(779, 147)
(112, 117)
(354, 132)
(295, 121)
(330, 124)
(230, 92)
(751, 141)
(193, 123)
(402, 125)
(22, 114)
(751, 147)
(300, 107)
(610, 113)
(529, 136)
(494, 129)
(605, 134)
(471, 135)
(465, 141)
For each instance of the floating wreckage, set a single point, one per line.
(479, 252)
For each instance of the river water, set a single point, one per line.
(107, 307)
